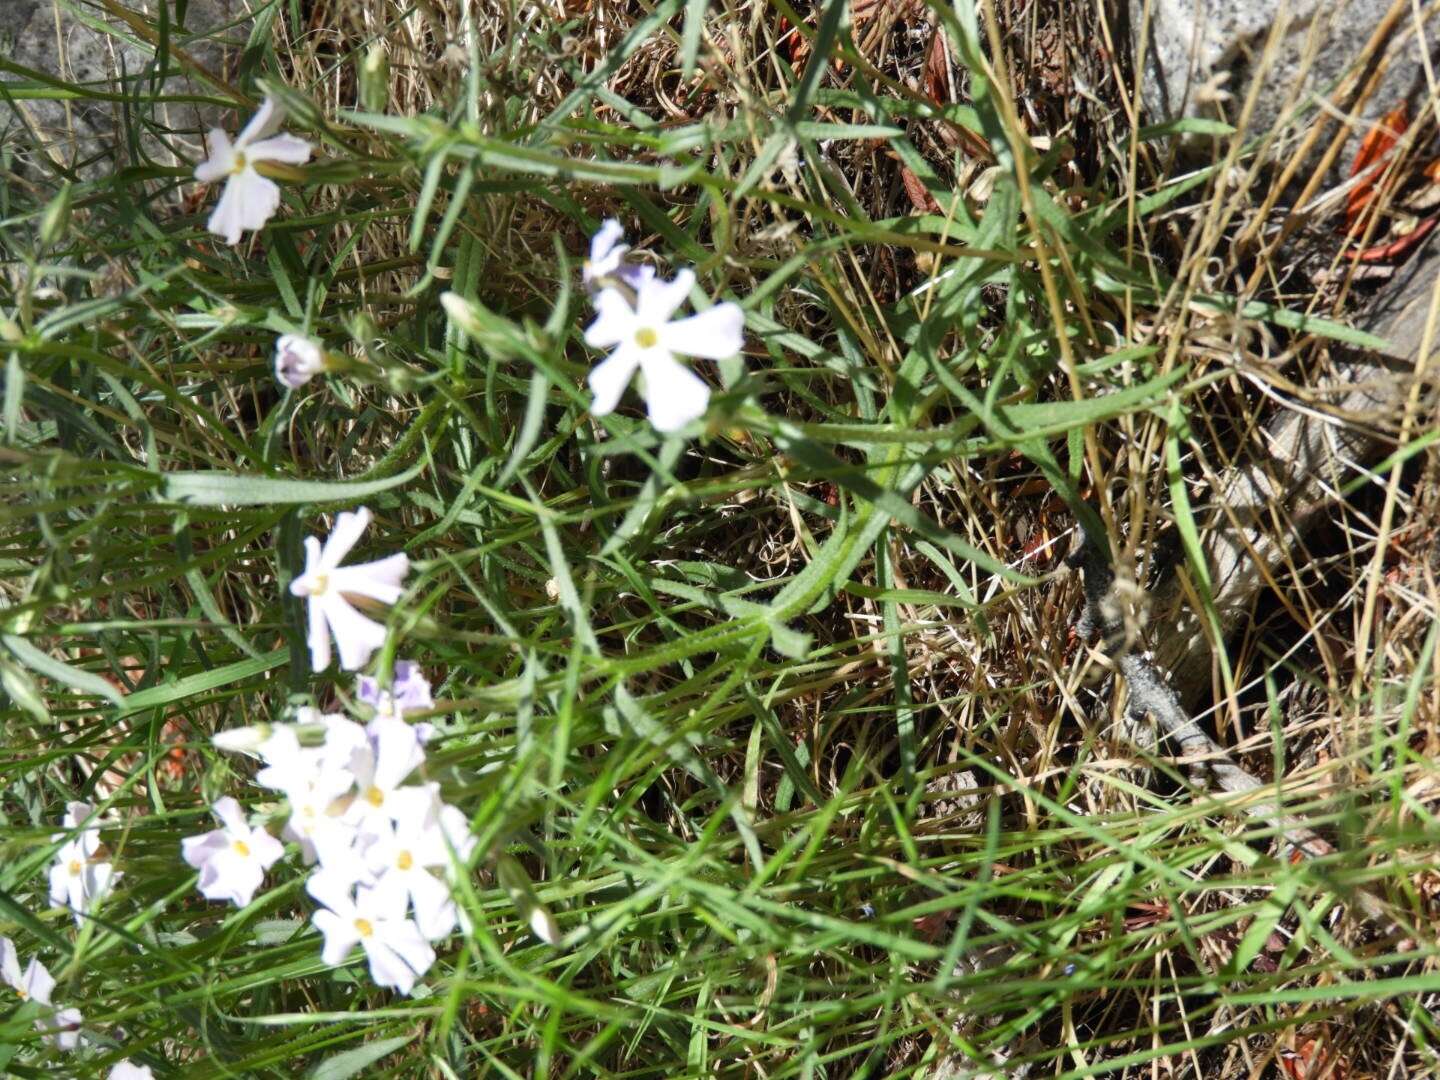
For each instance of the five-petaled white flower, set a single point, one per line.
(232, 860)
(79, 878)
(35, 983)
(381, 795)
(249, 199)
(375, 920)
(401, 859)
(645, 337)
(298, 359)
(328, 585)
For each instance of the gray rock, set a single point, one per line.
(89, 134)
(1202, 57)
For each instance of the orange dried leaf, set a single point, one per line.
(920, 197)
(937, 70)
(1376, 145)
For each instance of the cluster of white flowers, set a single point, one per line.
(378, 838)
(634, 307)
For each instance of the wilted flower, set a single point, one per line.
(327, 585)
(645, 337)
(232, 860)
(249, 199)
(376, 921)
(298, 359)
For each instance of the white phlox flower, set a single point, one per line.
(314, 781)
(376, 921)
(401, 859)
(79, 878)
(381, 795)
(124, 1070)
(232, 860)
(645, 337)
(249, 199)
(35, 983)
(327, 586)
(298, 359)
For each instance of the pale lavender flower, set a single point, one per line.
(232, 860)
(298, 359)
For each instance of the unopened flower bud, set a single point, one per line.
(298, 359)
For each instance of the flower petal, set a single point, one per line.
(349, 527)
(674, 394)
(656, 300)
(221, 160)
(608, 379)
(248, 202)
(614, 320)
(318, 635)
(397, 755)
(356, 637)
(606, 237)
(9, 964)
(387, 967)
(290, 149)
(434, 909)
(228, 812)
(38, 981)
(379, 580)
(340, 936)
(263, 124)
(714, 334)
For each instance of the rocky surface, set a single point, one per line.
(88, 135)
(1202, 56)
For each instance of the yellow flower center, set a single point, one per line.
(237, 164)
(318, 584)
(646, 338)
(404, 860)
(75, 867)
(241, 848)
(22, 993)
(364, 927)
(375, 797)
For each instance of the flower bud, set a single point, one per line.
(298, 359)
(243, 740)
(56, 218)
(374, 80)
